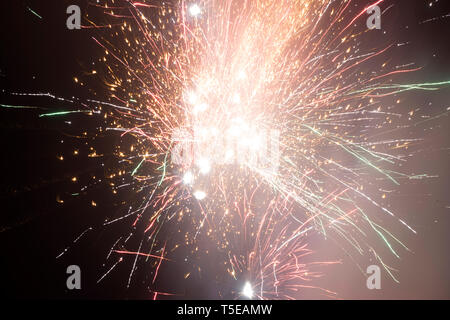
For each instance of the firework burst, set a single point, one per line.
(245, 127)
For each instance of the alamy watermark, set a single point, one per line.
(374, 280)
(74, 280)
(374, 20)
(74, 20)
(238, 144)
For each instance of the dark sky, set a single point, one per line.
(41, 55)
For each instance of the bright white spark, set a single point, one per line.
(199, 195)
(200, 108)
(192, 98)
(188, 178)
(195, 10)
(248, 290)
(204, 165)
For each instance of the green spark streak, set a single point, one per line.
(137, 168)
(407, 87)
(380, 234)
(34, 12)
(17, 107)
(61, 113)
(386, 267)
(392, 236)
(354, 153)
(164, 168)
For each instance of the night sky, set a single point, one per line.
(40, 217)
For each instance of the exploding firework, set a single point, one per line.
(245, 127)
